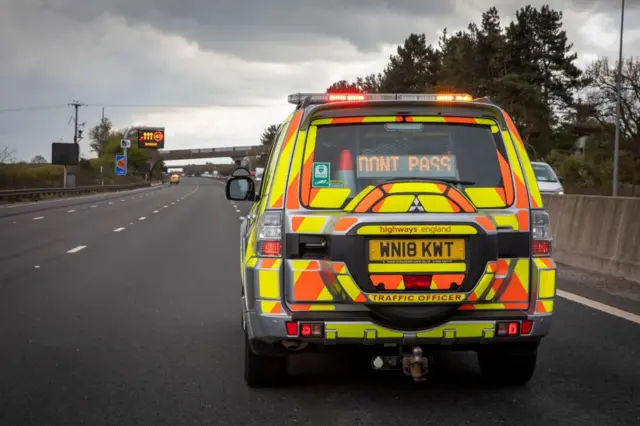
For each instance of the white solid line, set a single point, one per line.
(77, 249)
(599, 306)
(70, 211)
(118, 229)
(142, 218)
(38, 218)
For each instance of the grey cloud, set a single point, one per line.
(103, 51)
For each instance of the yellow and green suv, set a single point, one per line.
(395, 225)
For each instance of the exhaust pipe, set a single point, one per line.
(294, 345)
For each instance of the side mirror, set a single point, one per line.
(561, 179)
(241, 189)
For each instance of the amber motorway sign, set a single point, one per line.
(151, 137)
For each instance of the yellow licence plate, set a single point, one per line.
(416, 250)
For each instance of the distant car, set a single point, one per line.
(175, 178)
(548, 180)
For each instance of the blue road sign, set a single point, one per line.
(121, 165)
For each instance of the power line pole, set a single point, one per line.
(76, 105)
(616, 143)
(102, 142)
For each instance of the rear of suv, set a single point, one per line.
(395, 225)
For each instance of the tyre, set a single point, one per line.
(508, 366)
(263, 371)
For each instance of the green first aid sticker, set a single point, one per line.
(321, 175)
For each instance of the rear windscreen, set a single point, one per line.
(357, 155)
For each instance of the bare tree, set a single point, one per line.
(38, 159)
(7, 155)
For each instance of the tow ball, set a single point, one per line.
(414, 364)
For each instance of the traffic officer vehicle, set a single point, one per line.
(395, 226)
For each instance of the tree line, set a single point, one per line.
(566, 115)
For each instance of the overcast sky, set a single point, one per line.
(235, 59)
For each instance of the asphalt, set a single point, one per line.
(141, 327)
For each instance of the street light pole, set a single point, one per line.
(616, 143)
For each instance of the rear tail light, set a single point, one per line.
(514, 328)
(270, 235)
(292, 328)
(304, 329)
(541, 233)
(417, 282)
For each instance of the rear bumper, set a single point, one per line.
(468, 331)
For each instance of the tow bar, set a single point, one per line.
(414, 364)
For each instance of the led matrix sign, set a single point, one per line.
(409, 166)
(151, 138)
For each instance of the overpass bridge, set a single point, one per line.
(237, 153)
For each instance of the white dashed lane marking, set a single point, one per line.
(599, 306)
(118, 229)
(142, 218)
(76, 249)
(38, 218)
(155, 211)
(93, 207)
(70, 211)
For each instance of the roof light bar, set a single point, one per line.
(323, 98)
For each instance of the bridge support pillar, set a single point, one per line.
(237, 161)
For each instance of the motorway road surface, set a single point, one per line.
(127, 313)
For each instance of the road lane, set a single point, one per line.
(27, 242)
(142, 328)
(9, 210)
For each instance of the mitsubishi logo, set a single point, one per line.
(416, 207)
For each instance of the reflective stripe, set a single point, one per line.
(270, 307)
(371, 331)
(308, 224)
(396, 282)
(544, 276)
(407, 268)
(329, 198)
(293, 183)
(506, 221)
(485, 197)
(276, 193)
(532, 184)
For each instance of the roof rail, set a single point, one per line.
(483, 100)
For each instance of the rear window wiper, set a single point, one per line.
(451, 181)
